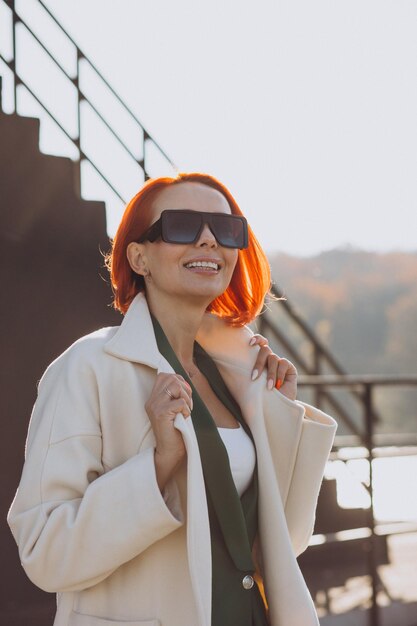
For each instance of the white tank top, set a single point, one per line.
(242, 456)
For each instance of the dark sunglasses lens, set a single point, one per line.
(178, 227)
(229, 231)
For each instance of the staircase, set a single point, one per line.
(52, 293)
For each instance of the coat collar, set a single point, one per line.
(227, 345)
(135, 340)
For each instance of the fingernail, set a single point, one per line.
(279, 383)
(254, 374)
(252, 341)
(270, 384)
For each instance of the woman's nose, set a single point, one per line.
(206, 237)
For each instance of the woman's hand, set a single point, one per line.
(170, 395)
(281, 373)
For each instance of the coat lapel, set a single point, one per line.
(135, 341)
(267, 413)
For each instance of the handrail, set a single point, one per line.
(321, 354)
(367, 383)
(352, 380)
(294, 354)
(142, 162)
(124, 105)
(324, 351)
(82, 154)
(85, 98)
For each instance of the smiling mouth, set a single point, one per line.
(203, 265)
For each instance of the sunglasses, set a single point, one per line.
(184, 226)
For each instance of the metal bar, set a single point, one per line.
(45, 49)
(133, 116)
(369, 420)
(353, 534)
(12, 65)
(144, 159)
(81, 96)
(292, 352)
(287, 345)
(313, 338)
(138, 161)
(341, 411)
(116, 95)
(351, 380)
(100, 173)
(307, 331)
(81, 55)
(317, 346)
(82, 154)
(77, 170)
(317, 369)
(381, 440)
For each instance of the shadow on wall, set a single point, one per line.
(54, 290)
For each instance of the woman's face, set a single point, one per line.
(168, 264)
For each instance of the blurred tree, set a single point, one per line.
(363, 305)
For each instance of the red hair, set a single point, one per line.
(243, 299)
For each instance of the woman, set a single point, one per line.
(166, 482)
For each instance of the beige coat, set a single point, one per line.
(89, 519)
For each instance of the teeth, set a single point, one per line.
(210, 264)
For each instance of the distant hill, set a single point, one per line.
(363, 305)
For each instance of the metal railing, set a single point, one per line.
(322, 359)
(374, 445)
(322, 356)
(140, 159)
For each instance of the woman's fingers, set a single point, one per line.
(264, 360)
(170, 392)
(174, 402)
(176, 387)
(180, 406)
(187, 389)
(278, 370)
(273, 365)
(259, 340)
(285, 371)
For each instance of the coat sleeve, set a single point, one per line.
(300, 439)
(315, 443)
(74, 523)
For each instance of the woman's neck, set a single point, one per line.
(180, 323)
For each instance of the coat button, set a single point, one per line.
(248, 582)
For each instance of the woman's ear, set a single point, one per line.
(135, 253)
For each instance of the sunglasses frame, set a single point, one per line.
(158, 228)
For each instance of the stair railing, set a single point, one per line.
(322, 358)
(141, 161)
(266, 324)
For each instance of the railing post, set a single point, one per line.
(144, 159)
(13, 60)
(261, 325)
(371, 544)
(317, 370)
(77, 165)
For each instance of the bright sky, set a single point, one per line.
(305, 110)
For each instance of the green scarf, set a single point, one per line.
(233, 520)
